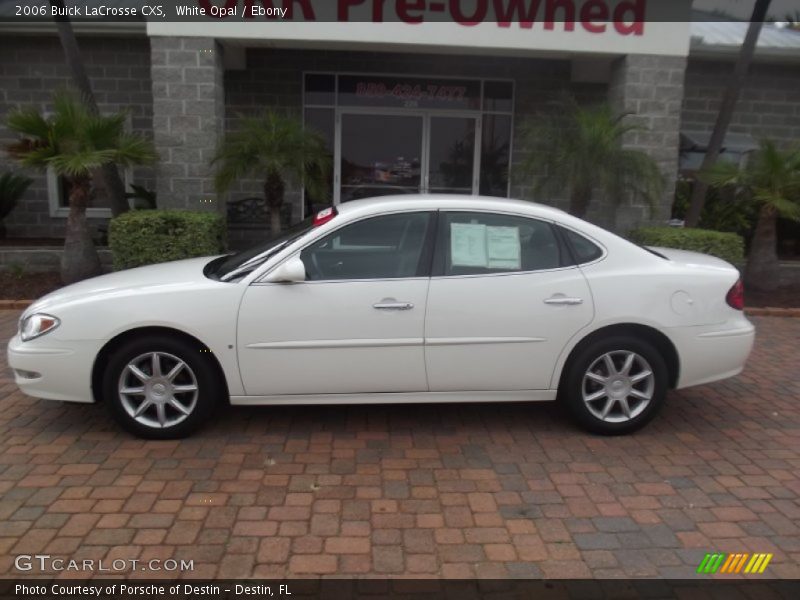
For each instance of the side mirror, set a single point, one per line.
(291, 271)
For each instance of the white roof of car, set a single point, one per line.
(446, 201)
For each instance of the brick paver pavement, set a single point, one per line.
(453, 491)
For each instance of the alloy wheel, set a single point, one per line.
(618, 386)
(158, 390)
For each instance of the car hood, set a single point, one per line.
(693, 259)
(131, 281)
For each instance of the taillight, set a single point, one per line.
(735, 297)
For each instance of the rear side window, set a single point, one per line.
(474, 243)
(583, 250)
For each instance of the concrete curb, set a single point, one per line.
(753, 312)
(772, 312)
(14, 304)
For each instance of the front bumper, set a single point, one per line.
(712, 353)
(52, 369)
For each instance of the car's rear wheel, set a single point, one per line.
(160, 387)
(615, 385)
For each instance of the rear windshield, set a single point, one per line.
(233, 266)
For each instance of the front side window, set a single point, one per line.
(485, 243)
(385, 247)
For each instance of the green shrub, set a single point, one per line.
(727, 246)
(723, 210)
(145, 237)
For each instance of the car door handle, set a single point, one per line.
(393, 306)
(563, 300)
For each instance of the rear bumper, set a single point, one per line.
(53, 370)
(712, 353)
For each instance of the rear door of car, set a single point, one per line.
(504, 300)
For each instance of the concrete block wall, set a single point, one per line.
(651, 88)
(188, 108)
(32, 67)
(769, 105)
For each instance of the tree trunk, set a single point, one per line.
(762, 271)
(107, 175)
(273, 193)
(579, 201)
(79, 260)
(726, 109)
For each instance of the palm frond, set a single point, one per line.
(37, 157)
(581, 148)
(771, 178)
(28, 123)
(722, 173)
(104, 131)
(80, 163)
(74, 140)
(786, 208)
(272, 143)
(133, 149)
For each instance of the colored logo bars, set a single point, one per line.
(719, 562)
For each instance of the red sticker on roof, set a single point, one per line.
(324, 216)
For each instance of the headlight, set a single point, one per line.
(37, 324)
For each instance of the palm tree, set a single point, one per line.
(107, 173)
(726, 109)
(772, 180)
(277, 149)
(12, 187)
(75, 142)
(579, 150)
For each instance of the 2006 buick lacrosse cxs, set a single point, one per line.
(397, 300)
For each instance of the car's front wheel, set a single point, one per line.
(615, 385)
(160, 387)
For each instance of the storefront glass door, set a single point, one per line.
(451, 155)
(417, 152)
(380, 155)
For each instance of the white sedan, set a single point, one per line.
(394, 300)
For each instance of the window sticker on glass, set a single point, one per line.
(503, 248)
(468, 245)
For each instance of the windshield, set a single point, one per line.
(240, 264)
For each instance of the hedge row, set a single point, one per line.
(144, 237)
(727, 246)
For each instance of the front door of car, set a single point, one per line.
(503, 303)
(355, 325)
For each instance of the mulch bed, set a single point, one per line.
(29, 286)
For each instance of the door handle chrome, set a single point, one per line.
(393, 305)
(563, 300)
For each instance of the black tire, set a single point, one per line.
(201, 374)
(577, 381)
